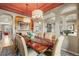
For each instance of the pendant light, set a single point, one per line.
(37, 14)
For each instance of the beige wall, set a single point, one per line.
(14, 15)
(71, 42)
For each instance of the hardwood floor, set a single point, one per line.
(63, 53)
(8, 52)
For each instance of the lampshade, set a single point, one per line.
(37, 14)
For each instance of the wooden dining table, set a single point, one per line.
(38, 44)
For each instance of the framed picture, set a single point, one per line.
(71, 27)
(49, 27)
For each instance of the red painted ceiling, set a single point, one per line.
(27, 8)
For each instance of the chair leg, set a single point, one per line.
(38, 54)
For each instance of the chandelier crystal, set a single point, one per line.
(37, 14)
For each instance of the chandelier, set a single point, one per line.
(37, 14)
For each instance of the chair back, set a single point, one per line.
(0, 46)
(21, 45)
(57, 47)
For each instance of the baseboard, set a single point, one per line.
(75, 54)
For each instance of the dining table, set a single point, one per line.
(39, 44)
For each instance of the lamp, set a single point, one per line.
(37, 14)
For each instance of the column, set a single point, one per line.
(57, 29)
(13, 25)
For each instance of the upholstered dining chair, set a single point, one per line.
(0, 47)
(7, 50)
(21, 45)
(57, 47)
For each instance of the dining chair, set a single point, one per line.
(0, 47)
(7, 50)
(38, 47)
(57, 47)
(21, 45)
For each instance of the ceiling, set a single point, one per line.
(27, 8)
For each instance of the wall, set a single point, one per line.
(14, 15)
(71, 42)
(52, 18)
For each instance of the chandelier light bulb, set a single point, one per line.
(37, 14)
